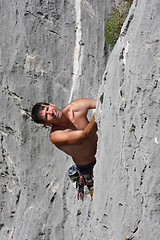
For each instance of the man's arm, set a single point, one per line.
(83, 105)
(91, 128)
(69, 137)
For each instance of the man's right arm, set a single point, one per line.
(70, 137)
(83, 105)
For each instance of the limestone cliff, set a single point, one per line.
(55, 51)
(129, 136)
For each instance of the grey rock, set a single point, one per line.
(128, 118)
(41, 60)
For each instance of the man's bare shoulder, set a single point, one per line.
(83, 104)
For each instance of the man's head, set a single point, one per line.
(46, 113)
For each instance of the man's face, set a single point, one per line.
(50, 114)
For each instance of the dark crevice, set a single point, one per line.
(122, 54)
(10, 93)
(142, 175)
(136, 227)
(53, 197)
(101, 98)
(127, 25)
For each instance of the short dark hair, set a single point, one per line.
(36, 110)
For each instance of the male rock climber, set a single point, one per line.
(72, 133)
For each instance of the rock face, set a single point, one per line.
(54, 51)
(128, 169)
(51, 51)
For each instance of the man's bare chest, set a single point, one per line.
(78, 120)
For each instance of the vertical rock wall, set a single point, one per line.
(42, 60)
(128, 169)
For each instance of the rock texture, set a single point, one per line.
(50, 51)
(129, 136)
(54, 51)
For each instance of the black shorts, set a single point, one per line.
(86, 169)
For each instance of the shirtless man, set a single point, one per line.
(71, 131)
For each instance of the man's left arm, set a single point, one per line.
(91, 128)
(84, 104)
